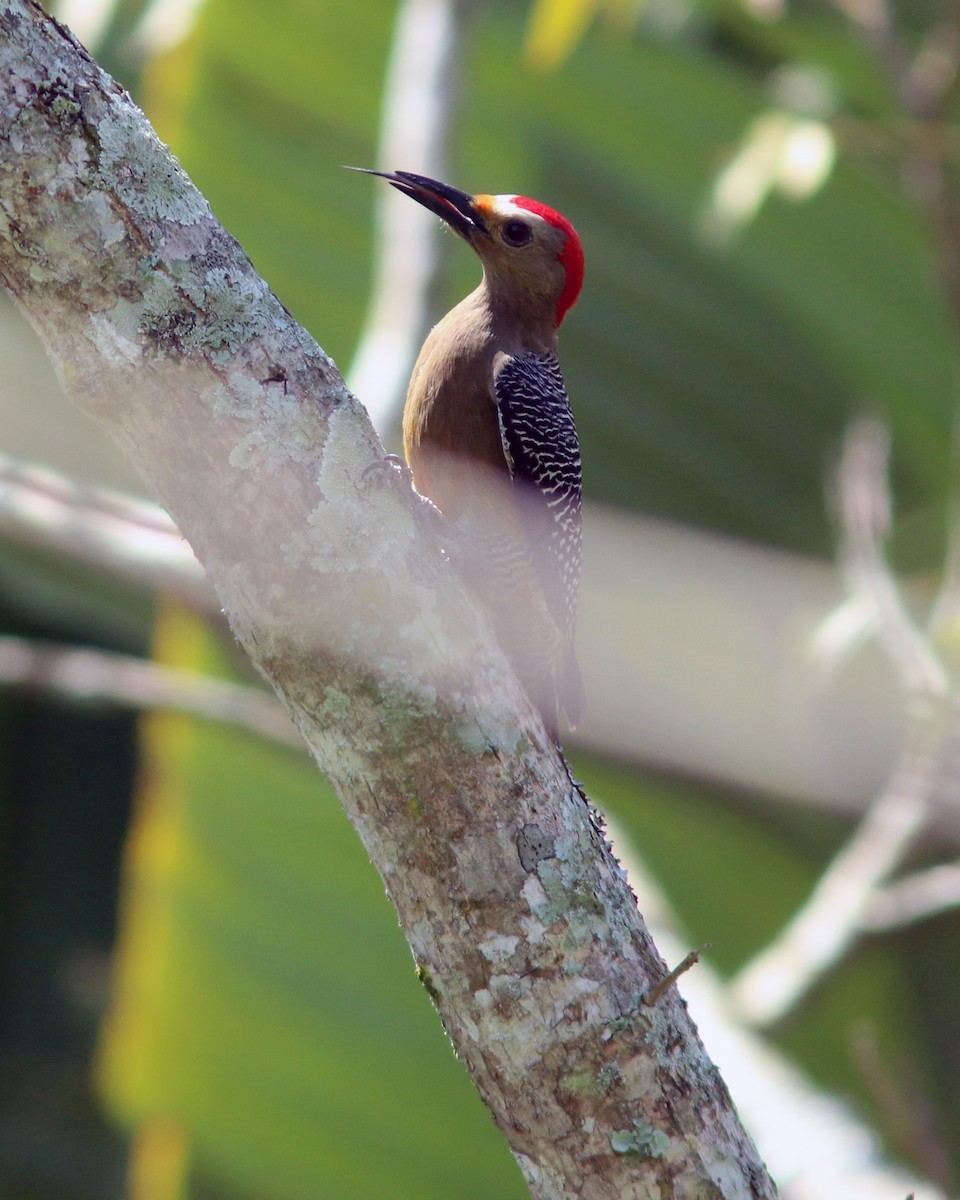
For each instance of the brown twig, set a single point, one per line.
(653, 995)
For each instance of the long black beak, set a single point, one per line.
(458, 209)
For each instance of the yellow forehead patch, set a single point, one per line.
(484, 203)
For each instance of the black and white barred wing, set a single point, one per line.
(543, 452)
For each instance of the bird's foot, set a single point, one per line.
(394, 463)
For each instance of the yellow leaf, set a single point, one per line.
(556, 27)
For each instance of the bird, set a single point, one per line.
(490, 438)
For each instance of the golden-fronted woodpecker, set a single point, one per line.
(489, 436)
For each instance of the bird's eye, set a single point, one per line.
(516, 233)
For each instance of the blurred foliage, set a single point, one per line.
(267, 996)
(711, 382)
(268, 1036)
(65, 778)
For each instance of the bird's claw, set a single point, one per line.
(394, 462)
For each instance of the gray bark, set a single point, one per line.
(524, 930)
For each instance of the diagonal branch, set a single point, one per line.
(40, 507)
(515, 910)
(825, 927)
(914, 898)
(93, 676)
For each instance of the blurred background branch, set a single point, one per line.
(420, 106)
(96, 677)
(109, 530)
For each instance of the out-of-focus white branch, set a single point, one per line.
(864, 509)
(164, 25)
(814, 1145)
(98, 676)
(832, 918)
(914, 898)
(42, 508)
(87, 18)
(417, 110)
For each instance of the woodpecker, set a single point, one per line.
(489, 436)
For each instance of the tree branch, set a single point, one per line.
(102, 677)
(825, 927)
(517, 914)
(108, 530)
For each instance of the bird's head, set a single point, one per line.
(524, 246)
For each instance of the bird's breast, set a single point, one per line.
(450, 427)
